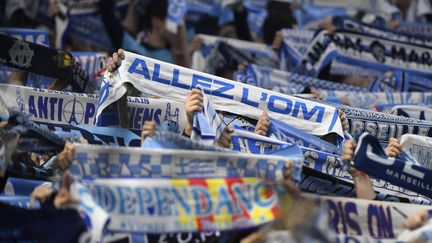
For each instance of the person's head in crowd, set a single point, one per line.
(155, 15)
(279, 16)
(207, 25)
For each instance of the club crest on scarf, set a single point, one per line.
(21, 54)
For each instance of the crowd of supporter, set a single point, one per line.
(347, 84)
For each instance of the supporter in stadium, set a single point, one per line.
(294, 165)
(193, 103)
(144, 31)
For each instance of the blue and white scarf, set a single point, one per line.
(287, 133)
(351, 25)
(261, 53)
(419, 147)
(294, 46)
(421, 112)
(275, 80)
(174, 82)
(31, 35)
(207, 125)
(96, 135)
(176, 12)
(370, 157)
(367, 100)
(400, 82)
(369, 5)
(383, 126)
(93, 161)
(367, 218)
(366, 51)
(52, 106)
(420, 30)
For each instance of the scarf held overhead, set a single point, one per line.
(175, 82)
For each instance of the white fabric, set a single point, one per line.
(174, 82)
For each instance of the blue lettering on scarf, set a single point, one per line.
(139, 66)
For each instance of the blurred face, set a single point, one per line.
(157, 24)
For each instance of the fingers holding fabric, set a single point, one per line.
(263, 124)
(116, 60)
(394, 148)
(225, 140)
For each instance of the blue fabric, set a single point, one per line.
(370, 158)
(287, 133)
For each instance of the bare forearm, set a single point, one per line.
(179, 47)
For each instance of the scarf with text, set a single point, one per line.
(156, 77)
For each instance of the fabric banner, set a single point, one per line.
(383, 126)
(276, 80)
(294, 46)
(421, 112)
(367, 100)
(298, 38)
(350, 25)
(326, 163)
(341, 68)
(207, 125)
(79, 109)
(94, 161)
(367, 51)
(366, 218)
(35, 58)
(96, 218)
(420, 30)
(176, 11)
(162, 139)
(261, 78)
(325, 175)
(320, 183)
(31, 35)
(419, 147)
(184, 205)
(262, 53)
(400, 82)
(251, 143)
(371, 158)
(163, 79)
(368, 5)
(34, 138)
(287, 133)
(96, 135)
(322, 172)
